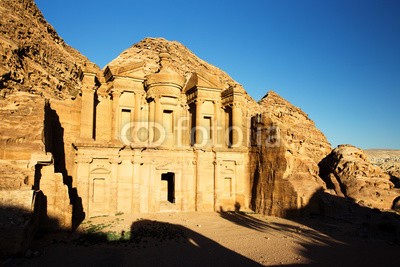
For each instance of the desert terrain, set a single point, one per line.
(344, 204)
(216, 239)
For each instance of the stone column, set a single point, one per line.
(152, 197)
(87, 114)
(136, 182)
(240, 185)
(199, 116)
(216, 126)
(114, 185)
(224, 128)
(217, 184)
(181, 129)
(136, 117)
(104, 119)
(158, 113)
(141, 119)
(151, 121)
(115, 117)
(237, 131)
(83, 180)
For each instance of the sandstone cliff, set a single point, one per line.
(286, 176)
(34, 58)
(37, 71)
(349, 173)
(36, 64)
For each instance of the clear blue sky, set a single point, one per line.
(337, 60)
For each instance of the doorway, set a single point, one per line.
(168, 188)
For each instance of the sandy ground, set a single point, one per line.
(213, 239)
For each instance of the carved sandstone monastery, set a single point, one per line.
(157, 129)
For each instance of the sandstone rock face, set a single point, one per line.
(22, 121)
(286, 177)
(14, 177)
(34, 58)
(388, 161)
(349, 173)
(39, 73)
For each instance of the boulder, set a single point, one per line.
(349, 173)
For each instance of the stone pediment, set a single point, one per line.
(208, 80)
(134, 70)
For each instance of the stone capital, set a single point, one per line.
(84, 159)
(115, 93)
(115, 160)
(199, 101)
(88, 89)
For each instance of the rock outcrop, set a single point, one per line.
(388, 161)
(349, 173)
(290, 148)
(34, 58)
(39, 73)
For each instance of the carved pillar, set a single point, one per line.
(136, 117)
(151, 122)
(217, 126)
(136, 182)
(217, 184)
(152, 197)
(104, 119)
(158, 113)
(87, 114)
(198, 140)
(114, 185)
(237, 131)
(115, 117)
(83, 180)
(141, 119)
(186, 124)
(224, 128)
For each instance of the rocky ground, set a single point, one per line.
(388, 161)
(217, 239)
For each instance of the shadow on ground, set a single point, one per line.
(342, 233)
(148, 243)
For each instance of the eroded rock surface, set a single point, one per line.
(349, 173)
(38, 70)
(34, 58)
(388, 161)
(286, 177)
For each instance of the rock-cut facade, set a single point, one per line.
(162, 141)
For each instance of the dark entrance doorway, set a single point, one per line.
(169, 178)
